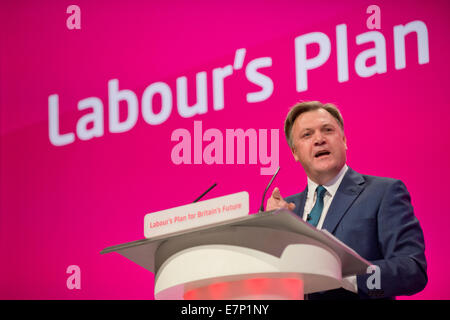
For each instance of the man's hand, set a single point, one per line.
(277, 202)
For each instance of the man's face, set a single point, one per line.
(319, 144)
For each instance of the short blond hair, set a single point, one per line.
(306, 106)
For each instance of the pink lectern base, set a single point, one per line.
(249, 289)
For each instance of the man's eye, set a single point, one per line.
(307, 134)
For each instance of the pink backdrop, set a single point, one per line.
(61, 205)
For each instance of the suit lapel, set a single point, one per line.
(351, 186)
(300, 203)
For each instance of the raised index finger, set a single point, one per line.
(276, 194)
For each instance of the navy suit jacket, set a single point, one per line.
(374, 216)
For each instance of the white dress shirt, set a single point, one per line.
(331, 188)
(349, 283)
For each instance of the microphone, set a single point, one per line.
(201, 196)
(261, 209)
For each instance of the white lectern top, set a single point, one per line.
(270, 233)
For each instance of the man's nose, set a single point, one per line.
(318, 139)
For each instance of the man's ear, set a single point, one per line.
(294, 154)
(345, 142)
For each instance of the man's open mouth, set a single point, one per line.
(321, 153)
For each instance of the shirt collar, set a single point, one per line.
(331, 186)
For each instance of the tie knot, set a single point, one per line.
(320, 192)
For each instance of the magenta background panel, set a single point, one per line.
(61, 205)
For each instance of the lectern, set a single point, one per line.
(268, 255)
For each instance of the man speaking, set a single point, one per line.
(372, 215)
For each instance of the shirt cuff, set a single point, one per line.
(350, 284)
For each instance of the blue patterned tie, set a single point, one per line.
(316, 212)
